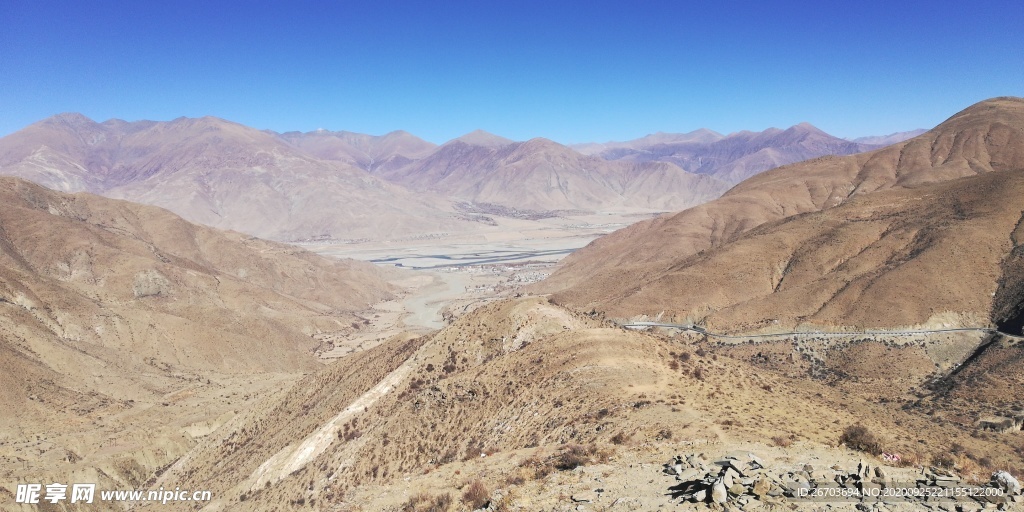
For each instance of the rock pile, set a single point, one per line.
(743, 482)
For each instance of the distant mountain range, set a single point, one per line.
(345, 185)
(735, 157)
(226, 175)
(892, 138)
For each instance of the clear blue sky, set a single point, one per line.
(569, 71)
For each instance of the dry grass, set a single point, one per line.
(424, 502)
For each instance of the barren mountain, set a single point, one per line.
(367, 152)
(732, 158)
(933, 255)
(542, 175)
(221, 174)
(111, 312)
(918, 232)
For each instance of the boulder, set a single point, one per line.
(1006, 482)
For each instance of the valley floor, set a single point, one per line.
(450, 275)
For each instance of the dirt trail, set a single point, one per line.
(293, 457)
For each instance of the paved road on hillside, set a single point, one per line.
(701, 330)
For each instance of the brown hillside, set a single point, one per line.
(110, 309)
(500, 394)
(931, 255)
(985, 138)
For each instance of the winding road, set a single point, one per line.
(701, 330)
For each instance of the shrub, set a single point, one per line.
(782, 441)
(944, 460)
(424, 502)
(476, 495)
(621, 438)
(858, 437)
(909, 460)
(517, 478)
(535, 468)
(571, 456)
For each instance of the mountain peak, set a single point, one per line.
(807, 128)
(485, 139)
(72, 119)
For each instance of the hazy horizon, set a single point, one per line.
(571, 73)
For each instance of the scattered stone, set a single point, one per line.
(690, 474)
(718, 492)
(761, 487)
(725, 487)
(585, 497)
(752, 505)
